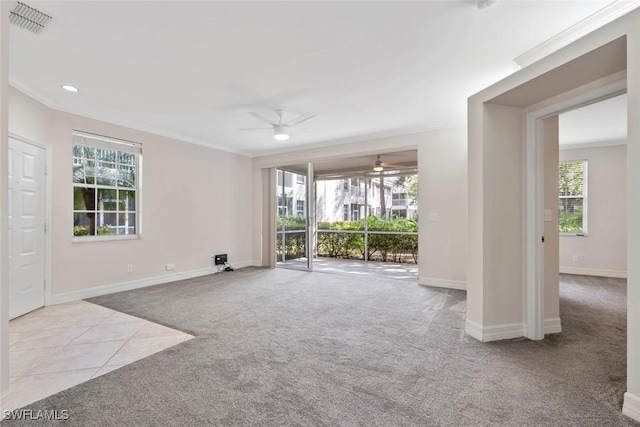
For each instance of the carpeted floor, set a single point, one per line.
(283, 347)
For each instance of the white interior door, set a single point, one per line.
(26, 227)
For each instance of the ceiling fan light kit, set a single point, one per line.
(377, 166)
(280, 129)
(280, 133)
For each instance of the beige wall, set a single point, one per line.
(192, 204)
(4, 168)
(502, 212)
(633, 207)
(442, 183)
(604, 250)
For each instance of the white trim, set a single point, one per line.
(591, 23)
(442, 283)
(631, 406)
(444, 124)
(22, 87)
(473, 329)
(495, 332)
(17, 84)
(594, 144)
(139, 283)
(552, 326)
(534, 226)
(600, 272)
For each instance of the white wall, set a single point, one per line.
(192, 205)
(603, 251)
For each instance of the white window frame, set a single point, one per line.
(298, 211)
(104, 142)
(585, 192)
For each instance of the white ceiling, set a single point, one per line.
(194, 69)
(597, 124)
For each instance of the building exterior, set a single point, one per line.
(348, 199)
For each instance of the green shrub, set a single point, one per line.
(81, 230)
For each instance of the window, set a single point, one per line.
(345, 186)
(300, 179)
(106, 188)
(399, 199)
(300, 207)
(345, 212)
(288, 179)
(572, 186)
(284, 205)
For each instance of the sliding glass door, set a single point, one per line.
(294, 217)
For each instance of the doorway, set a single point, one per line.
(27, 226)
(542, 264)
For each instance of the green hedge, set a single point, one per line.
(381, 247)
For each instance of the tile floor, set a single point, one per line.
(54, 348)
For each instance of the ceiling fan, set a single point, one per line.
(281, 128)
(380, 166)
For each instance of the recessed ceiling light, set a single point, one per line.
(70, 88)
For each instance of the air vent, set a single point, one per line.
(28, 17)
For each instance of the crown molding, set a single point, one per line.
(593, 144)
(591, 23)
(145, 128)
(444, 124)
(22, 87)
(49, 103)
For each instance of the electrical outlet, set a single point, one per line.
(170, 267)
(575, 258)
(220, 259)
(129, 268)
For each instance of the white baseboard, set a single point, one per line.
(631, 406)
(442, 283)
(552, 326)
(495, 332)
(507, 331)
(473, 329)
(139, 283)
(601, 272)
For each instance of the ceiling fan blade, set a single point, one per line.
(299, 119)
(255, 128)
(260, 117)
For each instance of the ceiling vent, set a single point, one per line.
(28, 17)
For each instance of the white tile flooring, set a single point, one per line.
(54, 348)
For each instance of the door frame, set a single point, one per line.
(48, 187)
(534, 203)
